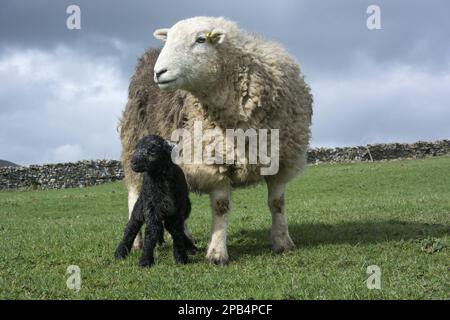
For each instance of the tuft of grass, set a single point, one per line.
(343, 218)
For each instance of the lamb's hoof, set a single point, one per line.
(146, 263)
(192, 250)
(190, 246)
(217, 257)
(282, 243)
(182, 260)
(121, 252)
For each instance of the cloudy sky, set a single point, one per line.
(62, 91)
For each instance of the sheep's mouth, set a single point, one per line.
(166, 81)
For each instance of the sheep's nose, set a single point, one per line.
(160, 72)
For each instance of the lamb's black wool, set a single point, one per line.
(163, 202)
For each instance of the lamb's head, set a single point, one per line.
(193, 52)
(152, 153)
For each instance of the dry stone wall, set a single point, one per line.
(90, 173)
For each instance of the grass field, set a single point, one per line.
(343, 218)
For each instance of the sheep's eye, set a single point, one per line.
(200, 40)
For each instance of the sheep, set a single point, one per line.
(163, 202)
(211, 71)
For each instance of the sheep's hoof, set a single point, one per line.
(146, 262)
(216, 257)
(282, 243)
(121, 252)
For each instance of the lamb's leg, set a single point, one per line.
(188, 233)
(189, 237)
(176, 230)
(220, 203)
(131, 230)
(151, 239)
(281, 241)
(133, 195)
(189, 244)
(161, 235)
(189, 241)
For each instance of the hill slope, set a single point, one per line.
(4, 163)
(343, 218)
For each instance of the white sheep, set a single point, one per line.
(211, 71)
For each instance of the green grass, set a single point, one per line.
(342, 218)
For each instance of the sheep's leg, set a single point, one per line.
(220, 203)
(176, 230)
(133, 195)
(281, 241)
(131, 230)
(151, 239)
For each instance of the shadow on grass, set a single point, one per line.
(257, 242)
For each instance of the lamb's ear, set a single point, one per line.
(161, 34)
(217, 36)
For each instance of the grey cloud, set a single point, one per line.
(398, 104)
(59, 105)
(324, 35)
(339, 55)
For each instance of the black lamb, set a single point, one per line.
(163, 202)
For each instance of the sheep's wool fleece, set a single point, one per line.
(266, 90)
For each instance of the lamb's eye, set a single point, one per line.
(200, 40)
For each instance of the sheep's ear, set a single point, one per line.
(217, 36)
(161, 34)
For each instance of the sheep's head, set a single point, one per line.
(191, 56)
(151, 153)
